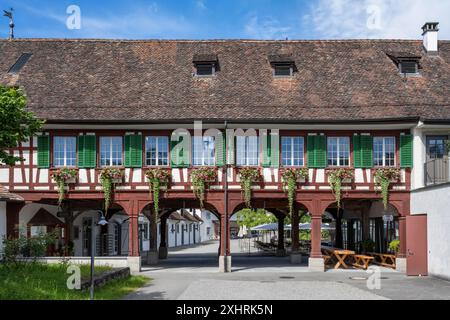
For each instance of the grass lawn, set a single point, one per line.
(48, 282)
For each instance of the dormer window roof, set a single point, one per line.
(206, 65)
(282, 65)
(408, 64)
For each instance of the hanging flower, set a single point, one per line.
(336, 176)
(61, 177)
(289, 178)
(157, 178)
(200, 178)
(383, 179)
(248, 176)
(108, 176)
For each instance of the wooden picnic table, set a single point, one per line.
(384, 259)
(339, 254)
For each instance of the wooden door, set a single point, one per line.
(416, 245)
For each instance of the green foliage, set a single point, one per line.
(32, 247)
(17, 124)
(61, 176)
(200, 178)
(290, 177)
(368, 245)
(248, 176)
(336, 176)
(252, 218)
(156, 179)
(49, 282)
(107, 176)
(383, 179)
(394, 246)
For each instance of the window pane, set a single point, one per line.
(203, 151)
(205, 69)
(292, 151)
(156, 151)
(64, 151)
(247, 151)
(282, 70)
(338, 151)
(111, 151)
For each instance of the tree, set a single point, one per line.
(250, 218)
(16, 123)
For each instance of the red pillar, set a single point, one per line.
(402, 236)
(133, 232)
(224, 235)
(316, 236)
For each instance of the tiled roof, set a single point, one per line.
(152, 81)
(5, 195)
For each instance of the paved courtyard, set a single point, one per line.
(192, 274)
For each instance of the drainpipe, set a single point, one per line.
(226, 202)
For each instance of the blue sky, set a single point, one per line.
(224, 19)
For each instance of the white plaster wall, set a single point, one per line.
(2, 224)
(208, 219)
(435, 202)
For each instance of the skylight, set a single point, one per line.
(20, 63)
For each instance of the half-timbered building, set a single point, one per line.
(319, 105)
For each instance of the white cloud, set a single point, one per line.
(376, 18)
(201, 4)
(266, 28)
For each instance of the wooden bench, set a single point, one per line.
(384, 259)
(326, 259)
(362, 261)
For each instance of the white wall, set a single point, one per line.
(435, 202)
(2, 224)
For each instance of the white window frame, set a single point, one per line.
(65, 151)
(292, 159)
(248, 161)
(157, 158)
(384, 138)
(111, 152)
(339, 160)
(201, 156)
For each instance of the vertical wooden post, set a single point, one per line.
(316, 236)
(295, 231)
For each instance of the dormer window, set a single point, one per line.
(282, 65)
(408, 64)
(408, 67)
(206, 65)
(205, 69)
(283, 70)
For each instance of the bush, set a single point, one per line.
(33, 247)
(394, 246)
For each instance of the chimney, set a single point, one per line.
(430, 37)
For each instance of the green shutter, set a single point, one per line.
(275, 152)
(311, 151)
(133, 151)
(267, 153)
(43, 151)
(357, 163)
(321, 151)
(366, 151)
(87, 155)
(220, 146)
(317, 151)
(180, 158)
(406, 151)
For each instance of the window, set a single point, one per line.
(20, 63)
(292, 151)
(408, 67)
(36, 231)
(157, 151)
(436, 148)
(283, 70)
(110, 151)
(203, 151)
(338, 151)
(384, 151)
(247, 151)
(205, 69)
(64, 151)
